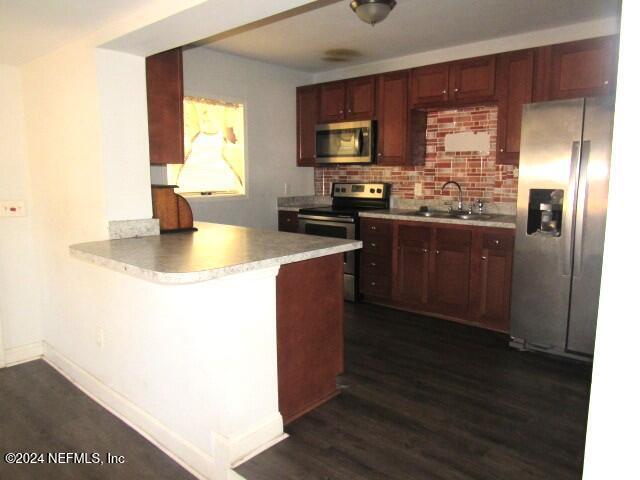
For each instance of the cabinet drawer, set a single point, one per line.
(376, 244)
(375, 264)
(375, 285)
(370, 227)
(497, 241)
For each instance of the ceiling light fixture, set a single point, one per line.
(372, 11)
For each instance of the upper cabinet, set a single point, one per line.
(306, 117)
(514, 89)
(465, 81)
(332, 102)
(473, 80)
(361, 98)
(585, 68)
(164, 107)
(353, 99)
(392, 109)
(430, 85)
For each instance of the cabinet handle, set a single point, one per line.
(341, 112)
(373, 284)
(379, 154)
(483, 257)
(497, 242)
(373, 244)
(606, 82)
(502, 150)
(373, 264)
(437, 252)
(288, 220)
(424, 250)
(444, 92)
(349, 111)
(373, 227)
(455, 89)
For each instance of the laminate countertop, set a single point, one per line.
(214, 251)
(489, 220)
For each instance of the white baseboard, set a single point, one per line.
(200, 464)
(24, 353)
(194, 460)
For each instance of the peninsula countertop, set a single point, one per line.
(214, 251)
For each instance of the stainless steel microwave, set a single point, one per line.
(345, 142)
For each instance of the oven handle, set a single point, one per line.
(340, 219)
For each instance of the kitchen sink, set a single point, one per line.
(456, 215)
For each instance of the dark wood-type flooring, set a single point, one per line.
(430, 399)
(41, 411)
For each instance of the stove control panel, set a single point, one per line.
(378, 191)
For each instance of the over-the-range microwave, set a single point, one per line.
(345, 142)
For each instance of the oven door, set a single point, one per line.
(336, 227)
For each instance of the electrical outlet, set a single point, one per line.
(100, 337)
(12, 208)
(417, 189)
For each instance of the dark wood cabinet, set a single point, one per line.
(585, 68)
(392, 110)
(493, 285)
(451, 271)
(306, 118)
(287, 221)
(514, 90)
(456, 272)
(164, 107)
(430, 85)
(361, 98)
(411, 284)
(376, 258)
(332, 102)
(473, 80)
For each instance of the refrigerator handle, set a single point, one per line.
(569, 208)
(583, 185)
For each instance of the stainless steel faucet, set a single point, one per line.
(451, 182)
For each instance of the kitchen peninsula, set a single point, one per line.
(245, 330)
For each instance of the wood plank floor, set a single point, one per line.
(429, 399)
(41, 411)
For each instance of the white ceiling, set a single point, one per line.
(31, 28)
(413, 26)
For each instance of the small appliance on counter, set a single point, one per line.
(341, 220)
(172, 210)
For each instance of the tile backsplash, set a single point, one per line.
(476, 172)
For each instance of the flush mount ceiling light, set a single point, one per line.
(372, 11)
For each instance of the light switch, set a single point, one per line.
(12, 208)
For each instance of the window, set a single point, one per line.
(214, 147)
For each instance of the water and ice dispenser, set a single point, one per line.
(545, 212)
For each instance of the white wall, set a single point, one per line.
(537, 38)
(268, 93)
(614, 413)
(20, 282)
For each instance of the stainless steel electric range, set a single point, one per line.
(341, 220)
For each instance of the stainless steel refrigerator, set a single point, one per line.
(561, 213)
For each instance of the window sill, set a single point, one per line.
(197, 196)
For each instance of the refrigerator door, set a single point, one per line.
(549, 160)
(591, 211)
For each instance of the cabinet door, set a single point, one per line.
(287, 221)
(494, 289)
(586, 68)
(164, 107)
(514, 89)
(451, 271)
(392, 108)
(473, 80)
(430, 85)
(306, 119)
(361, 98)
(332, 102)
(411, 285)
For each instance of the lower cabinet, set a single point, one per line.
(287, 221)
(458, 272)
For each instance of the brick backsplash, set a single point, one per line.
(476, 172)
